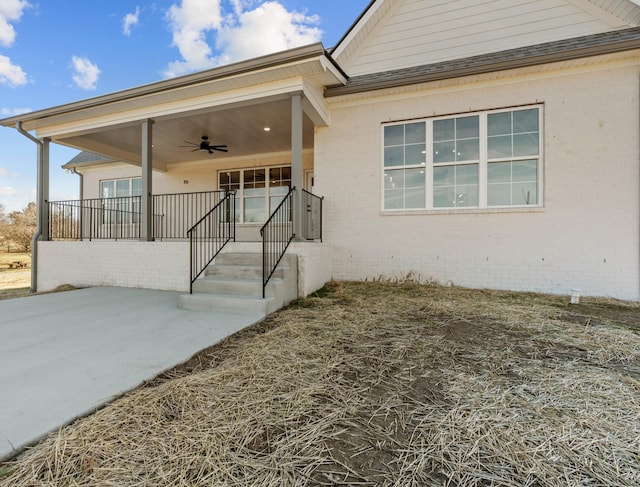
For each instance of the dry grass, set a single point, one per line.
(379, 384)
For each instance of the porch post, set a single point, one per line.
(296, 163)
(146, 207)
(43, 190)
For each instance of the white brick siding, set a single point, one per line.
(151, 265)
(586, 236)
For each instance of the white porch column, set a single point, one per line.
(146, 217)
(296, 163)
(43, 189)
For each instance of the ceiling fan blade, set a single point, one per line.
(221, 150)
(218, 147)
(196, 150)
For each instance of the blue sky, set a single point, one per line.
(55, 52)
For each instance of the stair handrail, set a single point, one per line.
(209, 235)
(277, 234)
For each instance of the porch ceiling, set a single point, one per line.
(240, 127)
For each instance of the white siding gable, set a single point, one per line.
(396, 34)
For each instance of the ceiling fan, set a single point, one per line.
(205, 146)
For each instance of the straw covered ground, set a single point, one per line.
(378, 384)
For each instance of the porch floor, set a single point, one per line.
(63, 355)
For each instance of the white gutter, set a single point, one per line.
(38, 234)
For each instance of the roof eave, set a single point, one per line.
(235, 69)
(353, 86)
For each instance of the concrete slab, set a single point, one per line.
(63, 355)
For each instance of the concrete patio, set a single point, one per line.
(63, 355)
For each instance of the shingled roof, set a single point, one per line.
(86, 158)
(564, 50)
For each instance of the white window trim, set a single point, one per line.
(482, 170)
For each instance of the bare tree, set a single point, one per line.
(3, 225)
(19, 227)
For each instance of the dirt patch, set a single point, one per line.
(378, 384)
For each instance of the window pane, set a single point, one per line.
(444, 152)
(443, 197)
(123, 187)
(252, 192)
(229, 180)
(404, 189)
(524, 194)
(394, 199)
(254, 210)
(108, 189)
(468, 150)
(414, 178)
(443, 176)
(525, 145)
(444, 130)
(525, 121)
(414, 198)
(393, 156)
(499, 147)
(467, 195)
(525, 171)
(394, 179)
(136, 187)
(415, 154)
(278, 190)
(415, 133)
(467, 174)
(394, 135)
(499, 194)
(499, 172)
(467, 127)
(499, 123)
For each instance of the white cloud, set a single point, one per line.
(269, 28)
(11, 74)
(86, 73)
(4, 173)
(190, 21)
(130, 20)
(10, 11)
(241, 34)
(8, 191)
(9, 112)
(15, 199)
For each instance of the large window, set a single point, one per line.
(480, 160)
(120, 207)
(259, 191)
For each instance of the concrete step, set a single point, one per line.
(239, 258)
(235, 285)
(230, 303)
(243, 271)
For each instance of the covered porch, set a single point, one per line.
(263, 112)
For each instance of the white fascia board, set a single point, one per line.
(173, 108)
(355, 30)
(315, 105)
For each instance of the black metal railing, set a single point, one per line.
(179, 211)
(277, 234)
(311, 216)
(209, 236)
(120, 217)
(98, 218)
